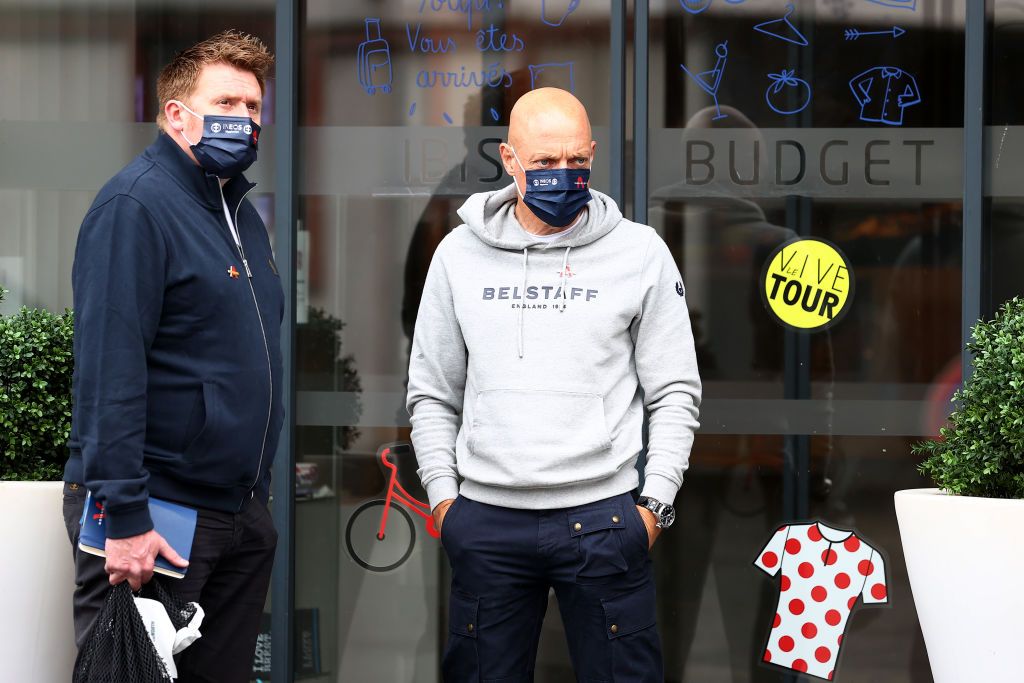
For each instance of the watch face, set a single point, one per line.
(668, 515)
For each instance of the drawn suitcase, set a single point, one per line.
(374, 60)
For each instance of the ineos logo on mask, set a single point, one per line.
(215, 127)
(247, 129)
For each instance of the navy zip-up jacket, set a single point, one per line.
(177, 383)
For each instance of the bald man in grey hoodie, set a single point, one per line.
(548, 325)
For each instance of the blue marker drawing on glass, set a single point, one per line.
(897, 4)
(447, 118)
(412, 109)
(562, 72)
(778, 92)
(494, 114)
(551, 17)
(783, 29)
(709, 81)
(855, 33)
(883, 92)
(374, 60)
(695, 6)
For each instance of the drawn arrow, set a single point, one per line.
(854, 34)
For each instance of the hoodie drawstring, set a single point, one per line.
(521, 307)
(565, 264)
(561, 293)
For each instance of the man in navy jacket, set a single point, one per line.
(177, 385)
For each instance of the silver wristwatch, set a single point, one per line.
(665, 513)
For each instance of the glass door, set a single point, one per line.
(403, 106)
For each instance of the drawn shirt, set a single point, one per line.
(883, 92)
(824, 572)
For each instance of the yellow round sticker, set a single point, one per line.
(807, 284)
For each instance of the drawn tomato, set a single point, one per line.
(780, 93)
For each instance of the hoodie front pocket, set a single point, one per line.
(536, 438)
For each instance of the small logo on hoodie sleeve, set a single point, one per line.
(679, 288)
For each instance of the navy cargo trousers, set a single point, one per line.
(505, 561)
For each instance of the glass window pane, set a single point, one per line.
(1004, 138)
(842, 122)
(402, 110)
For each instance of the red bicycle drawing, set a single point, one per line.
(382, 541)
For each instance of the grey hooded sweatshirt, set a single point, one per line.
(532, 362)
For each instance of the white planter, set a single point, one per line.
(37, 639)
(965, 558)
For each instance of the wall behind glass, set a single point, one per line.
(840, 121)
(403, 105)
(79, 101)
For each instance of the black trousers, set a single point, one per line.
(504, 561)
(228, 575)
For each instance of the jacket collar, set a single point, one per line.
(166, 154)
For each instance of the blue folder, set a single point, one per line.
(176, 523)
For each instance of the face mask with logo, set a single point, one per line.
(555, 195)
(228, 145)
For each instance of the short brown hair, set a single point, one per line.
(178, 79)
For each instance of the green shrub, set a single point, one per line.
(36, 364)
(981, 452)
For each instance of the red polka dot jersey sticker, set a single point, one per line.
(823, 572)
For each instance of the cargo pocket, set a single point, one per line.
(599, 531)
(461, 663)
(633, 639)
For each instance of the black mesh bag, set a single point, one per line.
(118, 649)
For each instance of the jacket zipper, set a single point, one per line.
(266, 344)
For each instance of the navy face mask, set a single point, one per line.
(228, 145)
(556, 195)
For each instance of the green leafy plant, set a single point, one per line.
(36, 364)
(981, 452)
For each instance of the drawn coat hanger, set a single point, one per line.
(783, 29)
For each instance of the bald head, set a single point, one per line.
(548, 129)
(548, 112)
